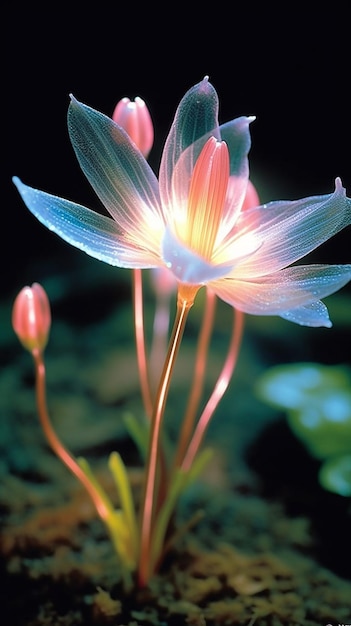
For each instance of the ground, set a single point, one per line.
(270, 546)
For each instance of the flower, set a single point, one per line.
(191, 219)
(135, 118)
(31, 317)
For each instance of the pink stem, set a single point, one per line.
(149, 498)
(218, 392)
(140, 341)
(54, 441)
(198, 379)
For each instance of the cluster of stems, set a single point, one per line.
(141, 538)
(159, 476)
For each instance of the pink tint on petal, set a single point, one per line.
(207, 193)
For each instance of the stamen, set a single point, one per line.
(208, 188)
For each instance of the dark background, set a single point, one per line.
(288, 67)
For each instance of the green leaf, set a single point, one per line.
(180, 481)
(335, 475)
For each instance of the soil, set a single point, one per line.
(270, 548)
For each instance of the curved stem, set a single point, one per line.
(218, 392)
(140, 340)
(55, 443)
(198, 379)
(147, 511)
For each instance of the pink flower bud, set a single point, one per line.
(163, 281)
(135, 119)
(31, 317)
(251, 199)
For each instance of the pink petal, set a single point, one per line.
(286, 231)
(278, 293)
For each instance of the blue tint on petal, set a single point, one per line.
(195, 120)
(187, 266)
(236, 134)
(196, 116)
(314, 314)
(91, 232)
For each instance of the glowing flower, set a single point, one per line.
(31, 317)
(191, 220)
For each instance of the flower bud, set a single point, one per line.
(31, 317)
(135, 119)
(252, 198)
(163, 281)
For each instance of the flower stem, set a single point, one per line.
(218, 392)
(140, 340)
(198, 379)
(40, 378)
(147, 510)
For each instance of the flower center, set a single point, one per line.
(208, 188)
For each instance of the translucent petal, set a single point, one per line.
(236, 134)
(187, 266)
(195, 120)
(97, 235)
(175, 196)
(314, 314)
(287, 231)
(196, 117)
(280, 293)
(117, 171)
(207, 193)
